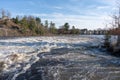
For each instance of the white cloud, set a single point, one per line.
(58, 7)
(79, 21)
(91, 16)
(103, 7)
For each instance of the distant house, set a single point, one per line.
(90, 32)
(83, 31)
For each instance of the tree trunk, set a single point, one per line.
(118, 41)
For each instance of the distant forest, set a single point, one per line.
(32, 26)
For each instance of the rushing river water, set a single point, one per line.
(57, 58)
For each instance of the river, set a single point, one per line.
(57, 58)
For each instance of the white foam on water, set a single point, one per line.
(19, 54)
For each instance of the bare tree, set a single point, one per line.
(117, 20)
(8, 14)
(3, 13)
(116, 25)
(119, 26)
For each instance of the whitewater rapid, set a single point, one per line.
(77, 57)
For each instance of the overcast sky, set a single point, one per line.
(91, 14)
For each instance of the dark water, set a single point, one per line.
(73, 64)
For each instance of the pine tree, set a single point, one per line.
(52, 28)
(46, 24)
(66, 26)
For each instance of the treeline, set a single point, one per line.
(65, 29)
(34, 24)
(114, 31)
(30, 25)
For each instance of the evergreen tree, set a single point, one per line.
(23, 23)
(73, 30)
(46, 24)
(32, 24)
(66, 26)
(52, 28)
(16, 20)
(38, 20)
